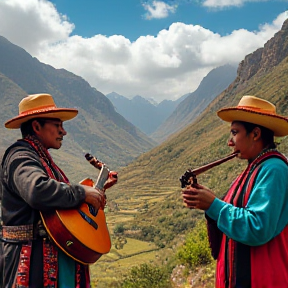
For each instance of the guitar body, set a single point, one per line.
(81, 233)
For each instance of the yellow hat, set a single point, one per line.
(39, 105)
(258, 111)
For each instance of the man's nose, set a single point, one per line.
(62, 131)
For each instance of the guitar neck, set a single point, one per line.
(102, 177)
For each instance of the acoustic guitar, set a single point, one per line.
(82, 233)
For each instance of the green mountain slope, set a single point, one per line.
(153, 179)
(147, 200)
(98, 129)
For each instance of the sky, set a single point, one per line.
(155, 49)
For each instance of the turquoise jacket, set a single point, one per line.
(266, 213)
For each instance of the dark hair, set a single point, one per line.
(267, 135)
(27, 129)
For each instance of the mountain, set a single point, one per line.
(145, 114)
(148, 194)
(153, 178)
(147, 202)
(98, 128)
(152, 101)
(187, 110)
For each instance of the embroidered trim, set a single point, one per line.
(22, 278)
(50, 264)
(18, 233)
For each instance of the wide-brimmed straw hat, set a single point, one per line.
(39, 105)
(258, 111)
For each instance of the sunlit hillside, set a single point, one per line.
(148, 192)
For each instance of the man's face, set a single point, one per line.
(241, 141)
(51, 133)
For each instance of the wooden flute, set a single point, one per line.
(189, 177)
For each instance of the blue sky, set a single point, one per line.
(156, 49)
(129, 17)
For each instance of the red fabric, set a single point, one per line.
(234, 191)
(22, 279)
(50, 265)
(264, 258)
(220, 269)
(269, 263)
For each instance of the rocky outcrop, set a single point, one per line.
(263, 59)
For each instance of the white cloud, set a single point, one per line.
(32, 23)
(158, 9)
(227, 3)
(166, 66)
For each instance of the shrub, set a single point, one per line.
(196, 250)
(145, 276)
(119, 229)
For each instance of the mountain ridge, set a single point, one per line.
(211, 85)
(141, 112)
(98, 128)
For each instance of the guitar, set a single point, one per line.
(82, 233)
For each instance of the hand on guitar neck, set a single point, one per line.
(96, 196)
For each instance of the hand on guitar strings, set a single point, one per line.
(197, 197)
(94, 197)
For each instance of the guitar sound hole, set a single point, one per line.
(92, 210)
(88, 219)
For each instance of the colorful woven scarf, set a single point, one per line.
(51, 168)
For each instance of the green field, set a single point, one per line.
(111, 266)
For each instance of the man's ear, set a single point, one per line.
(36, 126)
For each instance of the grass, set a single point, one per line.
(109, 268)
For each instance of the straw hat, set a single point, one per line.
(258, 111)
(39, 105)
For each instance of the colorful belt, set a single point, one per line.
(18, 233)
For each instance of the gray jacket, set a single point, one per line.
(26, 189)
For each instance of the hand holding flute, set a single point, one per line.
(196, 196)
